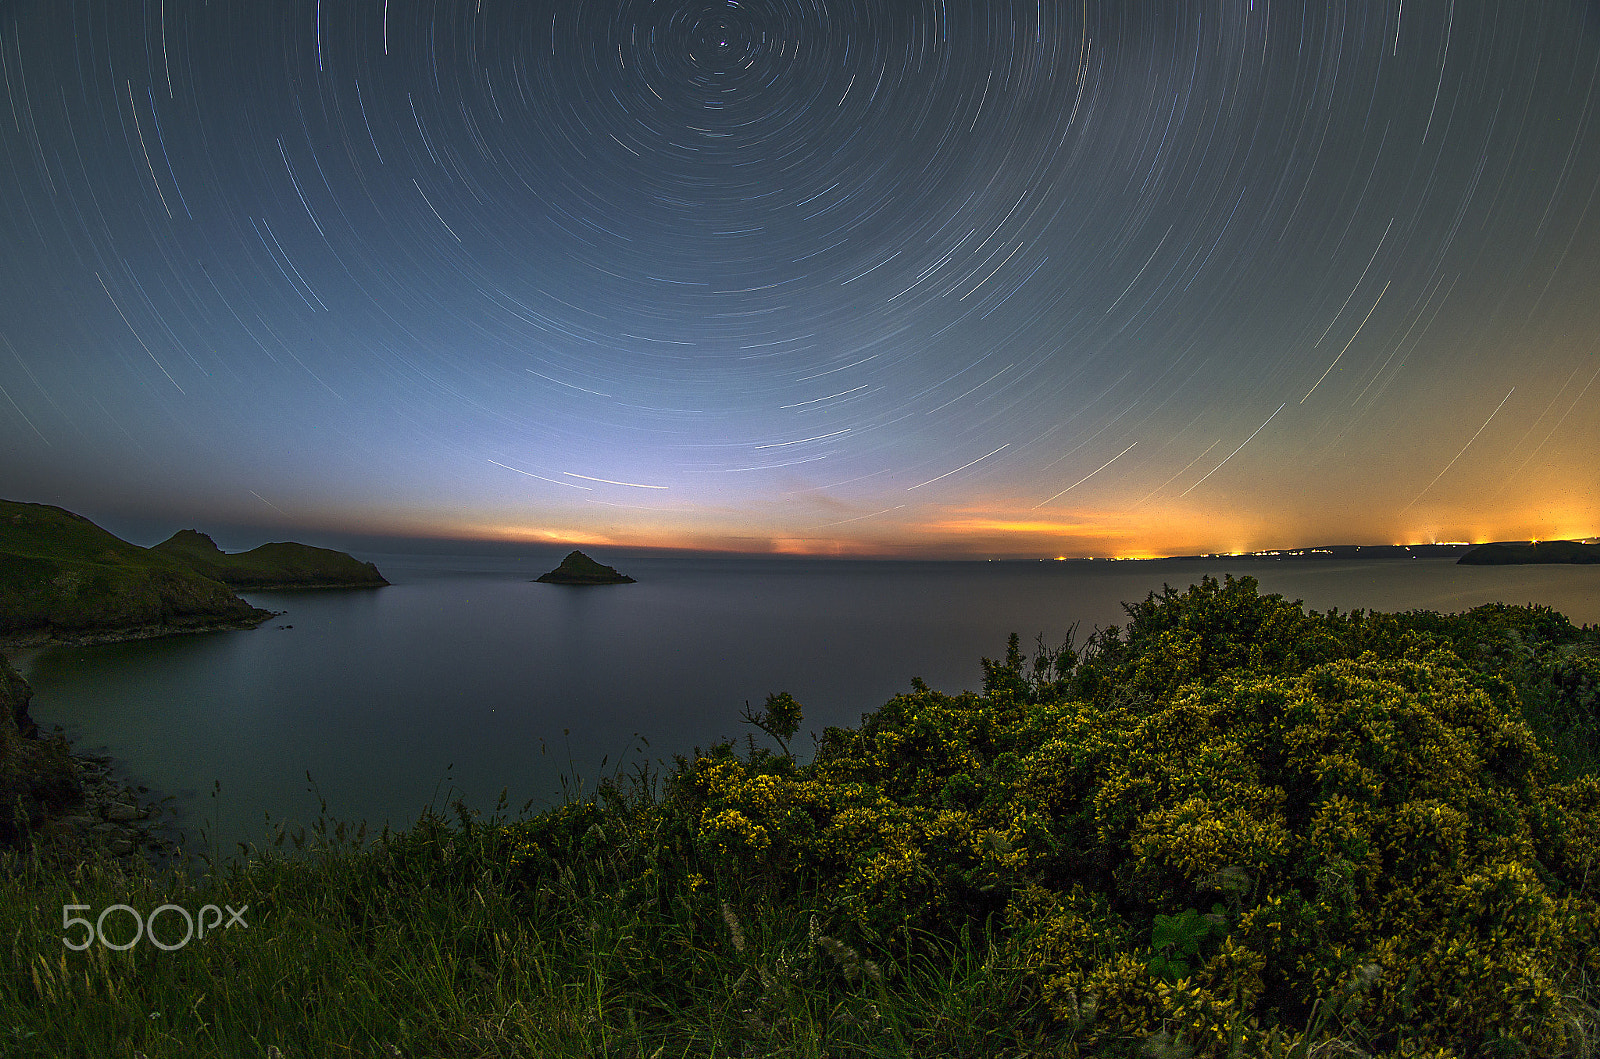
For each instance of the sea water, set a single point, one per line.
(464, 678)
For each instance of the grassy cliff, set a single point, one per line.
(279, 565)
(1230, 829)
(63, 577)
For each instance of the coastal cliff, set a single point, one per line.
(65, 580)
(63, 804)
(37, 776)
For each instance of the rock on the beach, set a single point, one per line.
(120, 846)
(122, 812)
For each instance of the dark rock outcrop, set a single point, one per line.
(38, 778)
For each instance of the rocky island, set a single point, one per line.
(578, 569)
(1523, 552)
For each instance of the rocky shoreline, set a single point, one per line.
(70, 805)
(51, 637)
(114, 818)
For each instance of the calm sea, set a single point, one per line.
(464, 678)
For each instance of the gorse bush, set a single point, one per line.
(1359, 800)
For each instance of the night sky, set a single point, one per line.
(804, 276)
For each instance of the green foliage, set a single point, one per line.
(779, 718)
(1360, 794)
(1176, 941)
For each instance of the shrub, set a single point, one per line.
(1370, 812)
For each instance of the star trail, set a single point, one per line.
(803, 276)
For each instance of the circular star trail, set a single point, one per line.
(912, 278)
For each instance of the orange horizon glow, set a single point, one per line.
(999, 529)
(952, 538)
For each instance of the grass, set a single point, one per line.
(417, 945)
(60, 573)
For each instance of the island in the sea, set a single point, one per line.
(578, 569)
(63, 579)
(1519, 552)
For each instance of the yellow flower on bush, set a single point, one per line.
(1197, 838)
(730, 831)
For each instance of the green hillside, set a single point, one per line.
(63, 577)
(279, 565)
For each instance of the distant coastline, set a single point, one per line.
(1501, 553)
(1522, 553)
(1347, 551)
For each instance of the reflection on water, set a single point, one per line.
(465, 677)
